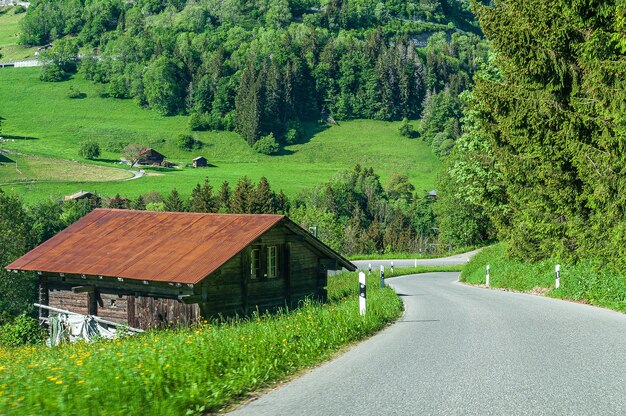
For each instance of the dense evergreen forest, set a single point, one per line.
(541, 162)
(261, 68)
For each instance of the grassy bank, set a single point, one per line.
(583, 282)
(189, 371)
(410, 256)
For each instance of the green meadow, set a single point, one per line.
(9, 34)
(40, 120)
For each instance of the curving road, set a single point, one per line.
(462, 350)
(442, 261)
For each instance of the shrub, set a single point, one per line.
(198, 122)
(52, 73)
(155, 206)
(406, 128)
(266, 145)
(294, 132)
(24, 330)
(74, 93)
(89, 150)
(292, 136)
(188, 142)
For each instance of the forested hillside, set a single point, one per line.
(542, 159)
(262, 68)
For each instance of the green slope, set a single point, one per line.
(39, 119)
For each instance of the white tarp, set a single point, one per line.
(72, 327)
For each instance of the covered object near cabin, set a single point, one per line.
(159, 268)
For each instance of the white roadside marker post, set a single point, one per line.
(557, 269)
(487, 277)
(382, 276)
(362, 294)
(369, 268)
(392, 268)
(415, 262)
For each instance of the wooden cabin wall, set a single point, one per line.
(68, 300)
(223, 290)
(307, 280)
(147, 312)
(113, 307)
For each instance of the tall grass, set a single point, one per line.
(194, 370)
(583, 282)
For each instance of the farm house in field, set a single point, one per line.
(200, 162)
(150, 157)
(160, 268)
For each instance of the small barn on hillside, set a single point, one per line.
(160, 268)
(78, 196)
(150, 157)
(200, 162)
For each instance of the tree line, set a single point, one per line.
(541, 160)
(353, 214)
(233, 65)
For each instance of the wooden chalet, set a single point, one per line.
(161, 268)
(150, 157)
(200, 162)
(78, 196)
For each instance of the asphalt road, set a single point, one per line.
(461, 350)
(444, 261)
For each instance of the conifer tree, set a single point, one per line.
(243, 196)
(202, 199)
(139, 203)
(174, 203)
(224, 197)
(264, 200)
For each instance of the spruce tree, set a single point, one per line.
(242, 197)
(139, 203)
(264, 200)
(224, 197)
(202, 199)
(174, 203)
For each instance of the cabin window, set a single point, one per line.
(255, 263)
(272, 261)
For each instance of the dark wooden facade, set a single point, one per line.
(290, 267)
(150, 157)
(200, 162)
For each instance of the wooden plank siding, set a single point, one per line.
(228, 291)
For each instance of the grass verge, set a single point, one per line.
(581, 282)
(190, 371)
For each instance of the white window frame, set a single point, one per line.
(272, 262)
(255, 260)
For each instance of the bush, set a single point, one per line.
(24, 330)
(19, 9)
(188, 142)
(74, 93)
(155, 206)
(266, 145)
(89, 150)
(294, 132)
(198, 122)
(52, 73)
(406, 128)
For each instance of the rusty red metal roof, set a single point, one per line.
(176, 247)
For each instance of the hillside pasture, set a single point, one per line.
(46, 123)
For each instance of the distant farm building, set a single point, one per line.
(161, 268)
(150, 157)
(200, 162)
(78, 195)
